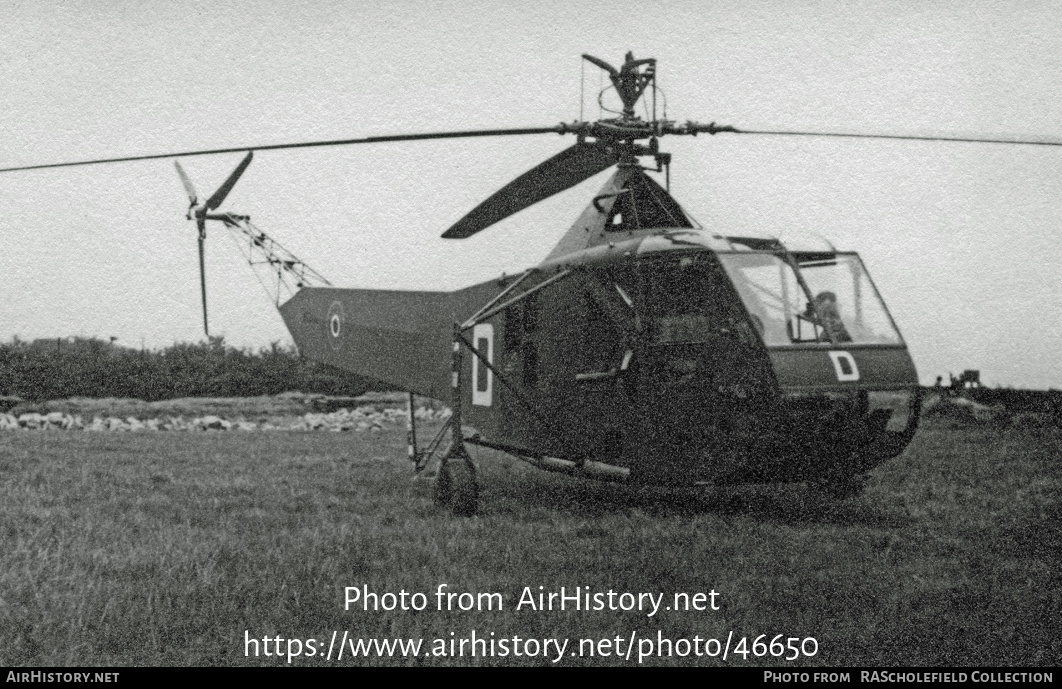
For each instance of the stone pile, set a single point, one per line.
(369, 418)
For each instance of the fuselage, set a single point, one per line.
(677, 355)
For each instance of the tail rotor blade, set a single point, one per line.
(193, 197)
(202, 274)
(223, 191)
(564, 170)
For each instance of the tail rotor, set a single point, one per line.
(199, 212)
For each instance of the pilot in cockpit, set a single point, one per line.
(825, 314)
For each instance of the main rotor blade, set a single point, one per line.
(562, 171)
(223, 191)
(557, 129)
(202, 275)
(1031, 140)
(193, 197)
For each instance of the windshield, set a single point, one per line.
(842, 307)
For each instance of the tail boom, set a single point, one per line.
(397, 339)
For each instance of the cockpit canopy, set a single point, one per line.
(830, 299)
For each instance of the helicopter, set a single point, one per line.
(645, 348)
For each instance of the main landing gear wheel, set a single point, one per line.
(455, 485)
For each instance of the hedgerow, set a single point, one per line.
(88, 367)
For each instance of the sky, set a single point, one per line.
(960, 239)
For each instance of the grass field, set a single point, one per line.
(166, 548)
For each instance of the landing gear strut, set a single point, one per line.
(455, 485)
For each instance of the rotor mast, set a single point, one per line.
(629, 80)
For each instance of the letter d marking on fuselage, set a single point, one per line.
(844, 365)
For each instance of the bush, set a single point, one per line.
(80, 367)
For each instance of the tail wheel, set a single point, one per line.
(455, 486)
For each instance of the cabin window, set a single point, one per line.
(840, 305)
(688, 299)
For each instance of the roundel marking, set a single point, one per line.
(335, 323)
